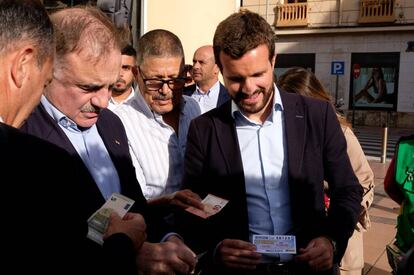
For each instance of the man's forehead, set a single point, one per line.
(80, 67)
(128, 59)
(155, 61)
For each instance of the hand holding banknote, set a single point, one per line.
(182, 199)
(99, 221)
(132, 225)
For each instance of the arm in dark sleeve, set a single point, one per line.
(119, 255)
(345, 190)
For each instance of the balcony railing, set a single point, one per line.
(377, 11)
(290, 15)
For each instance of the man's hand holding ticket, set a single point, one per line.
(212, 205)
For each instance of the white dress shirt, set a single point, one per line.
(112, 104)
(156, 150)
(207, 99)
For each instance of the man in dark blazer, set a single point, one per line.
(73, 116)
(207, 90)
(267, 152)
(42, 231)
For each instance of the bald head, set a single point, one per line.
(205, 71)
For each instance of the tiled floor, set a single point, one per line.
(383, 213)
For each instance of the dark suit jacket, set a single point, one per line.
(41, 230)
(316, 150)
(223, 94)
(113, 134)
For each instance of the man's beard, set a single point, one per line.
(253, 109)
(121, 90)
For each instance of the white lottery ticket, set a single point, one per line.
(275, 244)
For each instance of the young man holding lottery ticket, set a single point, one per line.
(267, 153)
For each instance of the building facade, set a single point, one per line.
(362, 51)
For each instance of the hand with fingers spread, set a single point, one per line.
(237, 254)
(318, 254)
(182, 199)
(132, 225)
(170, 257)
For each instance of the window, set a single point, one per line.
(374, 81)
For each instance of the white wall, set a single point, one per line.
(193, 21)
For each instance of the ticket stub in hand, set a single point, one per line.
(212, 205)
(275, 243)
(98, 222)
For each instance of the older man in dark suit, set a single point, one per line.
(268, 152)
(207, 90)
(73, 115)
(42, 230)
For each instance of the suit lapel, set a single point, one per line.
(223, 95)
(295, 128)
(228, 143)
(111, 141)
(52, 132)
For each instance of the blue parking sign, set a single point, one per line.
(337, 67)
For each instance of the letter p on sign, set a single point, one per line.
(337, 67)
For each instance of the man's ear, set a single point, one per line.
(273, 62)
(216, 69)
(21, 65)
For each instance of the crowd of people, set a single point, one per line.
(83, 115)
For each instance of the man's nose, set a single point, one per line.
(196, 65)
(248, 86)
(101, 98)
(165, 89)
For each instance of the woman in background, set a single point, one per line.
(304, 82)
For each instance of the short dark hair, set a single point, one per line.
(129, 51)
(159, 43)
(26, 20)
(242, 32)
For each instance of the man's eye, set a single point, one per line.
(90, 89)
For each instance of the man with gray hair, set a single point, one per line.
(73, 115)
(157, 120)
(37, 240)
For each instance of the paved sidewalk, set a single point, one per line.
(383, 214)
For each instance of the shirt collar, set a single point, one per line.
(1, 120)
(146, 110)
(215, 87)
(131, 95)
(57, 115)
(277, 103)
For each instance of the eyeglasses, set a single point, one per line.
(155, 84)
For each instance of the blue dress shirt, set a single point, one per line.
(263, 151)
(91, 148)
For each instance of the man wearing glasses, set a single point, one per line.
(157, 119)
(73, 116)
